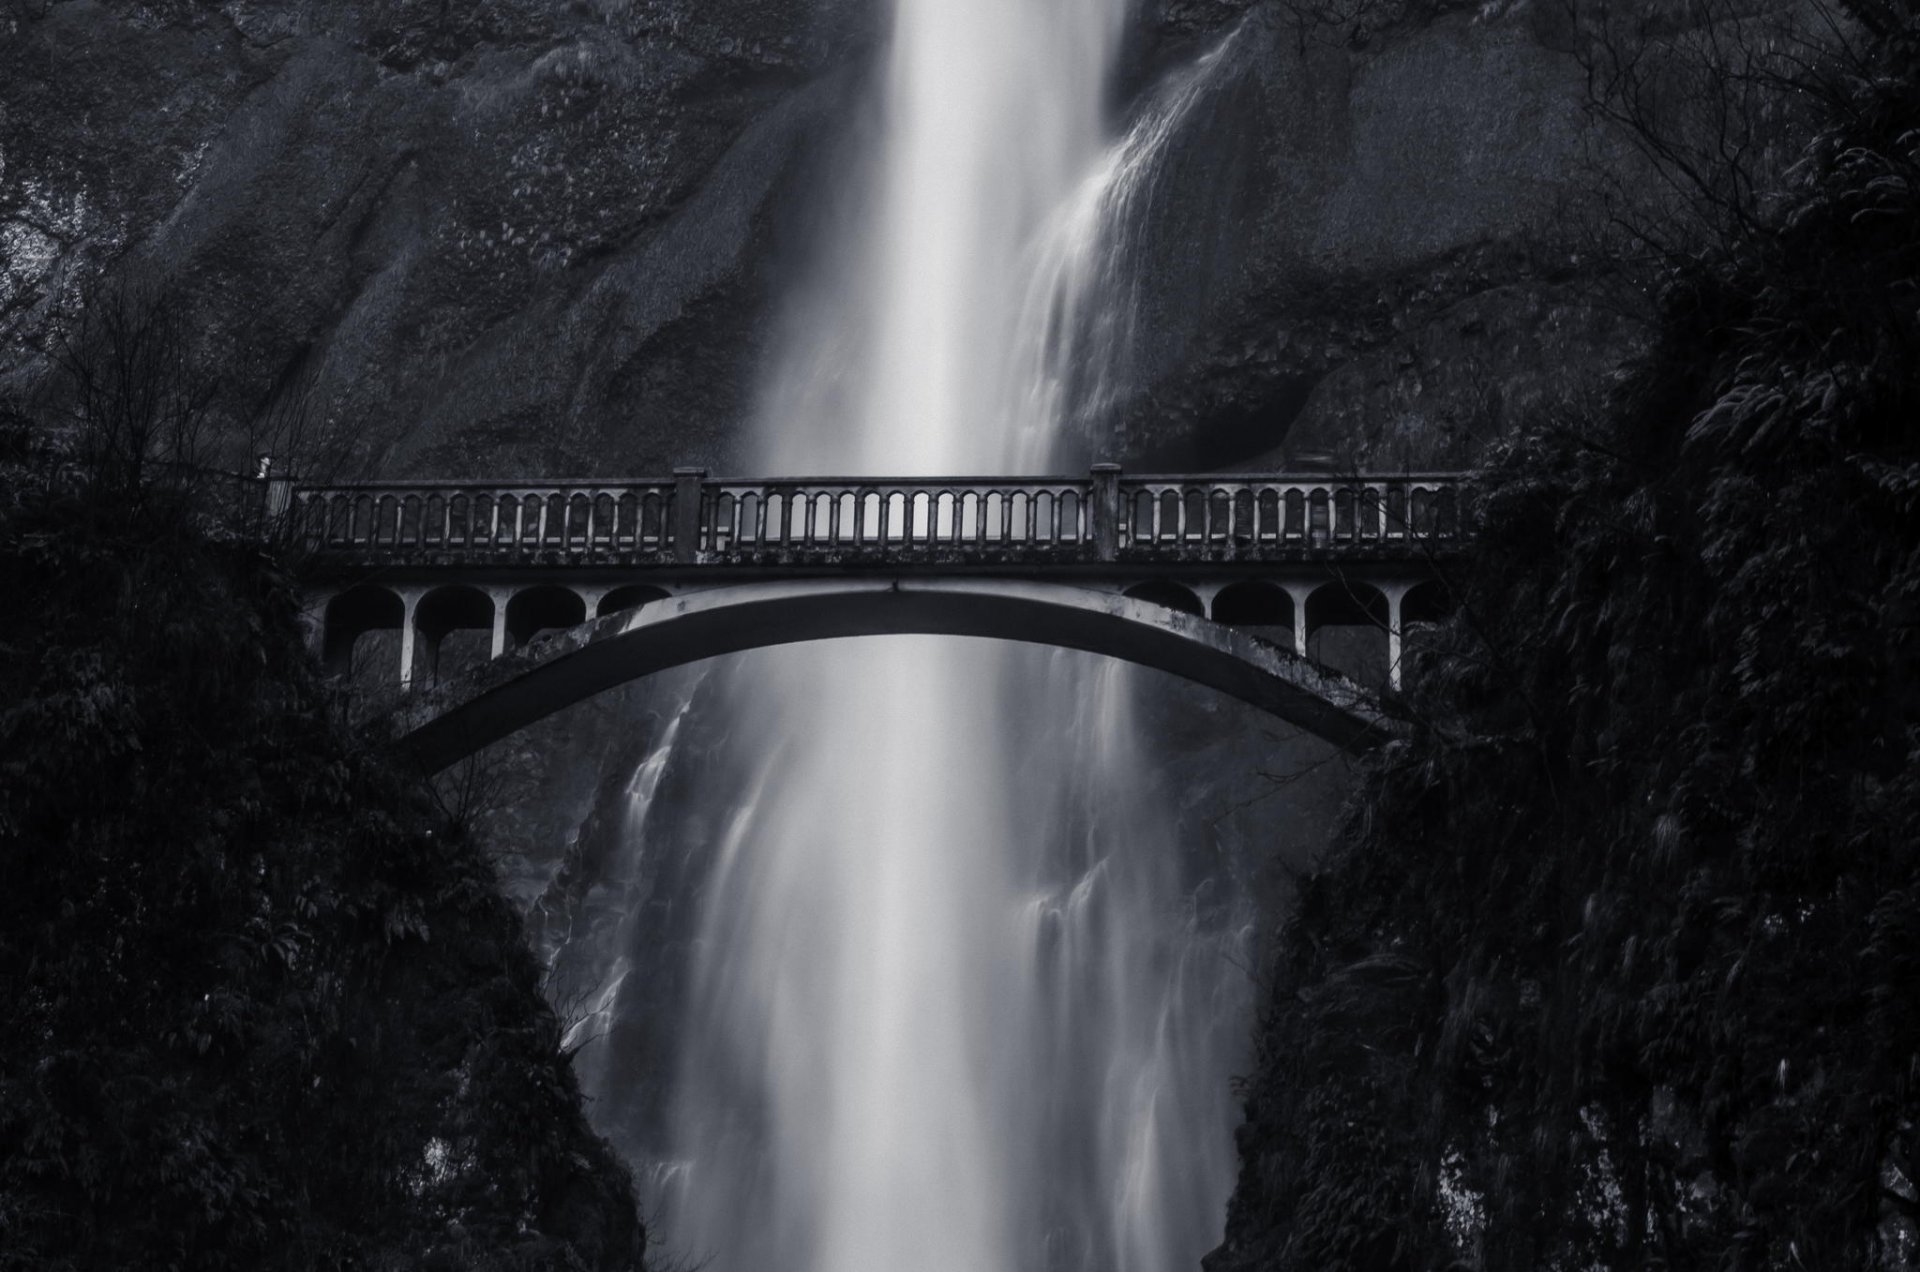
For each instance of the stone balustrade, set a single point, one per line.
(1279, 556)
(692, 520)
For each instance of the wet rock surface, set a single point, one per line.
(543, 236)
(531, 235)
(1373, 243)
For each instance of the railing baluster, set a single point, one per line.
(918, 520)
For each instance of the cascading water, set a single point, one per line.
(951, 1002)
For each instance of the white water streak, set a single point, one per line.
(1080, 313)
(595, 1019)
(952, 1011)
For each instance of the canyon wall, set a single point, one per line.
(527, 236)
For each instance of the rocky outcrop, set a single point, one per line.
(550, 236)
(522, 232)
(1373, 243)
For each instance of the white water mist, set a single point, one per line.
(952, 1006)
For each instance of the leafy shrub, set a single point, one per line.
(263, 1010)
(1615, 966)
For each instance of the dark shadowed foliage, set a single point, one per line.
(1615, 966)
(264, 1007)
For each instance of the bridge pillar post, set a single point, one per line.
(686, 513)
(500, 598)
(410, 601)
(1103, 511)
(1395, 594)
(1300, 592)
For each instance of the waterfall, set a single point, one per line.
(955, 997)
(1081, 309)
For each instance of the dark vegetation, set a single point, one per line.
(264, 1006)
(1618, 965)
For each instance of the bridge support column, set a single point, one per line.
(1300, 592)
(1395, 594)
(1103, 511)
(500, 599)
(409, 601)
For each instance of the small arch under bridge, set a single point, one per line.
(553, 591)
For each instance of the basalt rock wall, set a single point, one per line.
(518, 235)
(525, 235)
(1374, 242)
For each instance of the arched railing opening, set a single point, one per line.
(539, 610)
(1259, 607)
(1171, 595)
(632, 597)
(362, 625)
(1347, 630)
(453, 629)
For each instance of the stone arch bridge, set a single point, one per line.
(553, 591)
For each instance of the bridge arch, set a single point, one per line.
(544, 607)
(438, 615)
(1172, 596)
(1350, 626)
(1255, 603)
(451, 721)
(352, 614)
(630, 597)
(1260, 606)
(1424, 605)
(1346, 603)
(1426, 602)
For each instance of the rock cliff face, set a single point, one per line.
(518, 234)
(524, 235)
(1370, 246)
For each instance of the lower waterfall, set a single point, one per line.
(950, 995)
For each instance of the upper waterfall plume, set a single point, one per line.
(902, 355)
